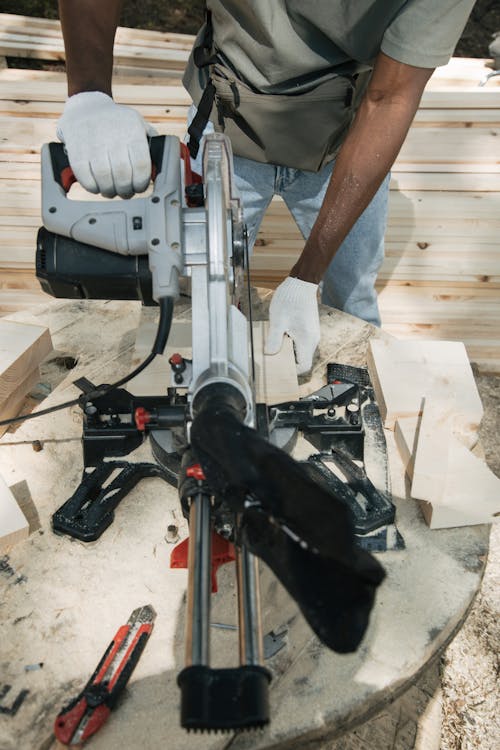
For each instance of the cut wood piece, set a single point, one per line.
(13, 403)
(404, 372)
(471, 496)
(13, 525)
(275, 376)
(433, 444)
(471, 492)
(22, 348)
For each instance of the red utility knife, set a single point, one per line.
(86, 713)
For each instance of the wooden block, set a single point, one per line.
(471, 496)
(404, 372)
(22, 348)
(469, 493)
(13, 525)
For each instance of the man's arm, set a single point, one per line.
(367, 154)
(106, 142)
(89, 28)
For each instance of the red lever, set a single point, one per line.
(222, 552)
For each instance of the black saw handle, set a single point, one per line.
(65, 177)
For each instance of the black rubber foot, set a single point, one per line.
(224, 699)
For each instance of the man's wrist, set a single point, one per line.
(309, 267)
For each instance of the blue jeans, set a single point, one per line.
(349, 282)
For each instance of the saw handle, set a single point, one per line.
(65, 177)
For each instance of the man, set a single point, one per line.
(317, 98)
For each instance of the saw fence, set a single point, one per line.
(441, 275)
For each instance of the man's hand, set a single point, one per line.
(294, 311)
(107, 144)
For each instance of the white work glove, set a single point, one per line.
(294, 311)
(106, 144)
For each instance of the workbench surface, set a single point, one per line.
(62, 600)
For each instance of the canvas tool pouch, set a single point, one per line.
(301, 130)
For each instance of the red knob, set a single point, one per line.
(141, 417)
(195, 471)
(176, 360)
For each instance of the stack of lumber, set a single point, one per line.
(427, 394)
(441, 276)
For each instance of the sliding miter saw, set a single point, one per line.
(244, 496)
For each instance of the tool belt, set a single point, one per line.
(303, 130)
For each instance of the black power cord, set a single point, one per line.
(166, 305)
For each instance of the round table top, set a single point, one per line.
(63, 600)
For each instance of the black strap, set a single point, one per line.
(200, 120)
(203, 55)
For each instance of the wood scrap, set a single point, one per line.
(13, 525)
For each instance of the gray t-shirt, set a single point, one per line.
(277, 46)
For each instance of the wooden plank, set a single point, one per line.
(13, 525)
(51, 28)
(124, 93)
(22, 348)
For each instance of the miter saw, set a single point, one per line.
(245, 497)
